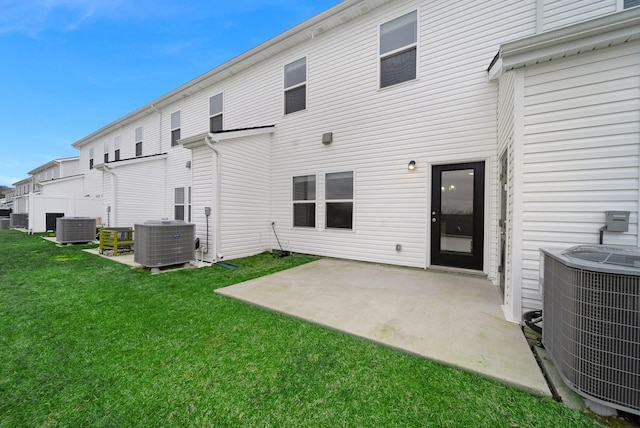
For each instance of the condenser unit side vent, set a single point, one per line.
(71, 230)
(592, 322)
(19, 220)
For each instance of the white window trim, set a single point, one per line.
(221, 113)
(309, 201)
(172, 128)
(305, 83)
(136, 140)
(404, 48)
(352, 200)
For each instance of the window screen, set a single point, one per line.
(215, 113)
(339, 200)
(304, 196)
(295, 78)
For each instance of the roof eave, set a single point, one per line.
(613, 29)
(343, 12)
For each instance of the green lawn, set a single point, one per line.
(88, 342)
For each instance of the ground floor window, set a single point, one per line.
(339, 200)
(182, 204)
(304, 201)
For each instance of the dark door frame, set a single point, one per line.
(475, 260)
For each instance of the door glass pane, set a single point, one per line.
(456, 218)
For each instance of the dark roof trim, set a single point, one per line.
(244, 129)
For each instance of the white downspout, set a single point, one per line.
(114, 195)
(216, 199)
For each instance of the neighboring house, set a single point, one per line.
(55, 189)
(7, 201)
(458, 135)
(53, 171)
(20, 197)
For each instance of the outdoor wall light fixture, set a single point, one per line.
(412, 165)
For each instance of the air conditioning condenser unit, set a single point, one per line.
(70, 230)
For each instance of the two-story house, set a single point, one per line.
(427, 134)
(54, 189)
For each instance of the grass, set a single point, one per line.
(88, 342)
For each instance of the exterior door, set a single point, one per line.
(457, 215)
(503, 220)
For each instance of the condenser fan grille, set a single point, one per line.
(592, 326)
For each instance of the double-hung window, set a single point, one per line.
(182, 203)
(139, 141)
(175, 128)
(339, 200)
(304, 201)
(116, 148)
(398, 50)
(295, 86)
(179, 203)
(106, 151)
(91, 158)
(215, 113)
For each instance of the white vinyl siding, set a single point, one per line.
(582, 127)
(141, 196)
(245, 227)
(561, 13)
(203, 195)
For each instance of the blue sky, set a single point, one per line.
(69, 67)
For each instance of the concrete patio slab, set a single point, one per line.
(452, 319)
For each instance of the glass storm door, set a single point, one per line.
(457, 215)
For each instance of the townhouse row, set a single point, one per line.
(417, 133)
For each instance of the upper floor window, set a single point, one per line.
(398, 49)
(215, 113)
(116, 147)
(175, 128)
(631, 3)
(295, 86)
(339, 200)
(139, 141)
(304, 201)
(91, 158)
(106, 151)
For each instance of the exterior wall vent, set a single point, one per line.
(71, 230)
(164, 243)
(591, 297)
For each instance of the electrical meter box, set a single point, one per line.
(617, 221)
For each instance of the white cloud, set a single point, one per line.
(32, 17)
